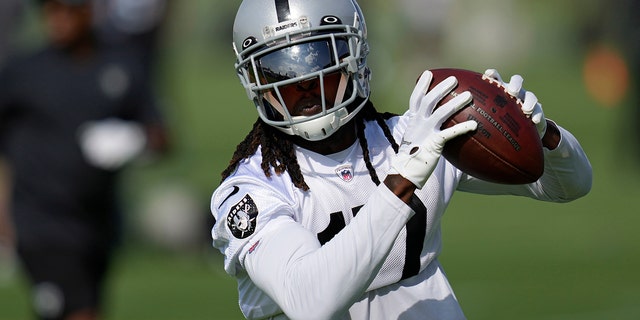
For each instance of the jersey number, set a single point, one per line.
(416, 231)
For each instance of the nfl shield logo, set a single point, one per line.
(345, 173)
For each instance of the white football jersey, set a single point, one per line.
(410, 283)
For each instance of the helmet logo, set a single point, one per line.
(329, 20)
(248, 42)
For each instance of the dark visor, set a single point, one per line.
(300, 59)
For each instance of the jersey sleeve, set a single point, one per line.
(241, 208)
(567, 175)
(287, 262)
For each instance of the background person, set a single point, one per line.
(72, 115)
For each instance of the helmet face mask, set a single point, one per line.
(322, 53)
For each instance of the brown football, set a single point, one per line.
(506, 147)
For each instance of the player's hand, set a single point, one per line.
(109, 144)
(530, 105)
(423, 139)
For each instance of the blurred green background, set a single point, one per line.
(506, 257)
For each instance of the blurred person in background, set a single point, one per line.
(73, 114)
(133, 26)
(330, 209)
(11, 15)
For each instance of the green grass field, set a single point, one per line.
(506, 257)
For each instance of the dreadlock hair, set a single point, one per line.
(278, 151)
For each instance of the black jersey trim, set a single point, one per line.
(336, 223)
(416, 231)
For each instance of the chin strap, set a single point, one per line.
(276, 104)
(342, 87)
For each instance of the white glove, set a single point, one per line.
(530, 105)
(109, 144)
(423, 140)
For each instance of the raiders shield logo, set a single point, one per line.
(345, 173)
(241, 219)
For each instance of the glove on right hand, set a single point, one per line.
(423, 140)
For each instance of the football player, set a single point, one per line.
(331, 209)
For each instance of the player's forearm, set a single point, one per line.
(310, 281)
(401, 187)
(552, 136)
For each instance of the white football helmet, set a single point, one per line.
(279, 43)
